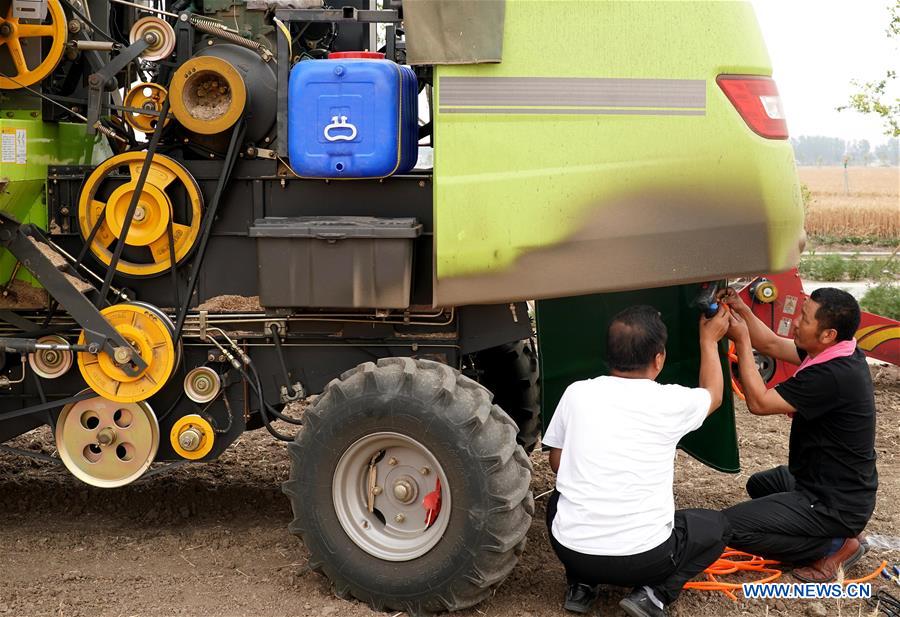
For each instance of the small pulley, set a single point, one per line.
(161, 35)
(106, 443)
(16, 39)
(170, 204)
(148, 97)
(149, 333)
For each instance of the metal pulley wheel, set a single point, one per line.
(51, 363)
(149, 333)
(17, 36)
(147, 96)
(170, 197)
(107, 444)
(162, 33)
(208, 95)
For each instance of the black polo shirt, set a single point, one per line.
(832, 445)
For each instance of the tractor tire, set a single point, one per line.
(419, 419)
(511, 372)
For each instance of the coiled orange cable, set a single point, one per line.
(733, 561)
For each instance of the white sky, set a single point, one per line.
(817, 47)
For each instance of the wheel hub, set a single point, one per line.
(380, 496)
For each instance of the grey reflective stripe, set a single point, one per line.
(561, 92)
(563, 111)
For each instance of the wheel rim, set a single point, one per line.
(405, 473)
(154, 214)
(16, 32)
(107, 444)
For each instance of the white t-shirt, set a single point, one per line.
(618, 439)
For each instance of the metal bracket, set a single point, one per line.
(29, 9)
(99, 335)
(99, 82)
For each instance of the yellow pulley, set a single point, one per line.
(149, 332)
(192, 437)
(170, 197)
(149, 97)
(16, 37)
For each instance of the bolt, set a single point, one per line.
(122, 355)
(425, 471)
(209, 42)
(106, 437)
(267, 139)
(210, 357)
(392, 461)
(402, 491)
(139, 214)
(400, 517)
(5, 29)
(190, 439)
(183, 17)
(74, 26)
(377, 490)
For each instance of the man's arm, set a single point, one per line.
(761, 336)
(711, 332)
(555, 454)
(760, 400)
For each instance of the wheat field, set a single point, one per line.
(868, 214)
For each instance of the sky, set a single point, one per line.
(817, 47)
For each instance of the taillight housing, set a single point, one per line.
(757, 101)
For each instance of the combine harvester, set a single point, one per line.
(209, 210)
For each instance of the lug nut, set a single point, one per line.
(392, 461)
(425, 471)
(189, 439)
(400, 517)
(377, 491)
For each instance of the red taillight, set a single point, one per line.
(756, 99)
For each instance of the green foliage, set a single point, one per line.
(883, 299)
(858, 269)
(872, 97)
(837, 268)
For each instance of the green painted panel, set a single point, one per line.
(29, 145)
(513, 183)
(572, 345)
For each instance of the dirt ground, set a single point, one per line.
(212, 539)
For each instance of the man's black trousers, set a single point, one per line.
(696, 541)
(786, 523)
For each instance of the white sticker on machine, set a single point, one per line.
(21, 147)
(14, 146)
(8, 146)
(784, 326)
(790, 305)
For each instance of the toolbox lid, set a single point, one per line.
(335, 227)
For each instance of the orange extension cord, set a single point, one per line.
(733, 561)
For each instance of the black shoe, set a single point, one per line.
(639, 604)
(580, 597)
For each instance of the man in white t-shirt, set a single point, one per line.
(612, 440)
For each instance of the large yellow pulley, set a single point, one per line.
(170, 204)
(149, 332)
(16, 37)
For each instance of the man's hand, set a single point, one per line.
(734, 300)
(713, 329)
(738, 330)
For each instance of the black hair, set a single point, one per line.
(634, 337)
(837, 309)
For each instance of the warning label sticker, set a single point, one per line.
(14, 146)
(784, 326)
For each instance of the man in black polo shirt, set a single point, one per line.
(812, 511)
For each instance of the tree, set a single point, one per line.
(874, 97)
(888, 153)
